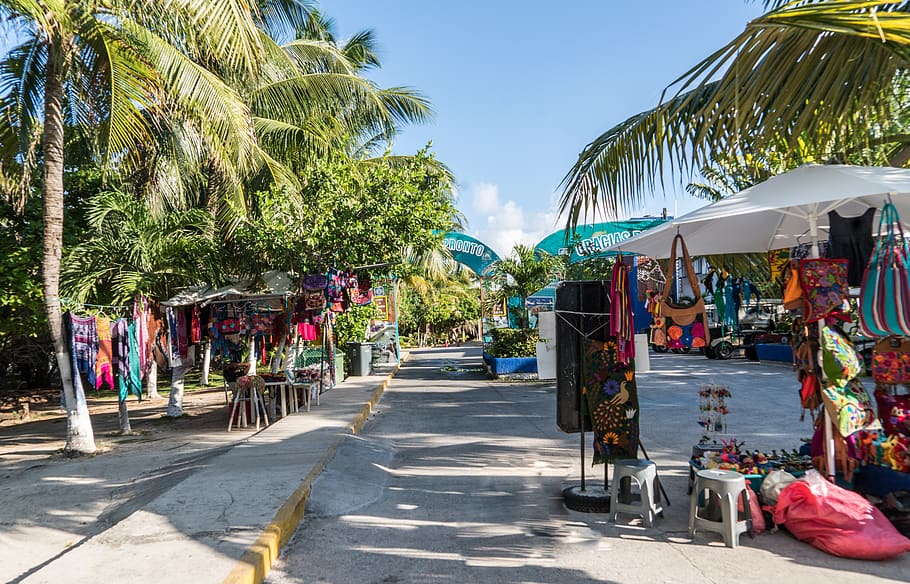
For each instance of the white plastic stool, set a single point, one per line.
(721, 488)
(646, 503)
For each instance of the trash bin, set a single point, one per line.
(361, 355)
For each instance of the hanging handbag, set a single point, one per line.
(793, 298)
(850, 407)
(894, 412)
(840, 361)
(314, 299)
(825, 288)
(809, 395)
(683, 325)
(314, 282)
(884, 299)
(891, 361)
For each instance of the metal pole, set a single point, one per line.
(322, 354)
(581, 427)
(828, 432)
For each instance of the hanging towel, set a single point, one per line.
(104, 365)
(196, 325)
(172, 348)
(621, 323)
(134, 375)
(120, 339)
(155, 328)
(140, 318)
(78, 392)
(85, 345)
(182, 337)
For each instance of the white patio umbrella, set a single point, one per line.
(782, 212)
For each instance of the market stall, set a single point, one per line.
(281, 323)
(799, 206)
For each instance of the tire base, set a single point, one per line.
(591, 500)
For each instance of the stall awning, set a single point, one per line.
(273, 284)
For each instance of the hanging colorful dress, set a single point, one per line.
(104, 365)
(611, 401)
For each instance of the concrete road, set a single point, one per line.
(458, 478)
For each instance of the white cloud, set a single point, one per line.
(485, 198)
(507, 223)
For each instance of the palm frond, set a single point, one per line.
(817, 71)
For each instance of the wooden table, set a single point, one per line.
(286, 396)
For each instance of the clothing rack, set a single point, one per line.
(69, 305)
(242, 300)
(585, 335)
(85, 304)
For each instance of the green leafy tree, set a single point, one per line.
(525, 271)
(131, 51)
(133, 251)
(24, 342)
(349, 215)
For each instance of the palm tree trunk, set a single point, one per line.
(151, 380)
(175, 399)
(79, 436)
(124, 418)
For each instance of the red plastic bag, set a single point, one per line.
(758, 519)
(837, 521)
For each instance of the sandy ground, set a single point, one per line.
(43, 436)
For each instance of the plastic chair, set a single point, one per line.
(645, 503)
(713, 505)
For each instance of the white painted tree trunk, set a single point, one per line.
(206, 363)
(279, 354)
(80, 437)
(175, 402)
(151, 381)
(124, 415)
(252, 359)
(290, 355)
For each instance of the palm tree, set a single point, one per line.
(827, 73)
(131, 49)
(132, 251)
(525, 271)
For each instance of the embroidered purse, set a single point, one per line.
(682, 325)
(894, 411)
(824, 285)
(840, 362)
(891, 361)
(314, 299)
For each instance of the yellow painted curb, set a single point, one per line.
(256, 562)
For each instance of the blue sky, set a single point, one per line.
(520, 87)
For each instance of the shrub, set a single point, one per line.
(513, 343)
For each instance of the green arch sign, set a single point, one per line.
(469, 251)
(590, 241)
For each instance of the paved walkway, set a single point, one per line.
(458, 479)
(216, 512)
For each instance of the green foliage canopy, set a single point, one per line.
(350, 213)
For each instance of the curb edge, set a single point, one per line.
(255, 563)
